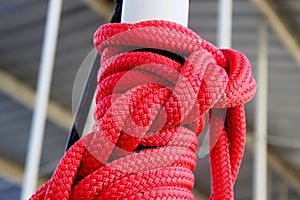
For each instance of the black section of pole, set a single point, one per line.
(89, 90)
(116, 16)
(84, 104)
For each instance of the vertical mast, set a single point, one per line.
(169, 10)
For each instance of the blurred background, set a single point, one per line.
(22, 26)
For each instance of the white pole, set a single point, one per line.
(169, 10)
(42, 97)
(224, 24)
(260, 153)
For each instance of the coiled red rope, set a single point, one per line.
(150, 110)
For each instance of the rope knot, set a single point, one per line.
(156, 83)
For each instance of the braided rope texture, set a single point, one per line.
(150, 110)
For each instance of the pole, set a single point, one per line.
(168, 10)
(224, 24)
(260, 151)
(42, 98)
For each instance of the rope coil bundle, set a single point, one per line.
(150, 110)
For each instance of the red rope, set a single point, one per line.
(150, 110)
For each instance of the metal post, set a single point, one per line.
(224, 24)
(260, 151)
(42, 98)
(169, 10)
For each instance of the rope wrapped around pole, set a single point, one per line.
(149, 111)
